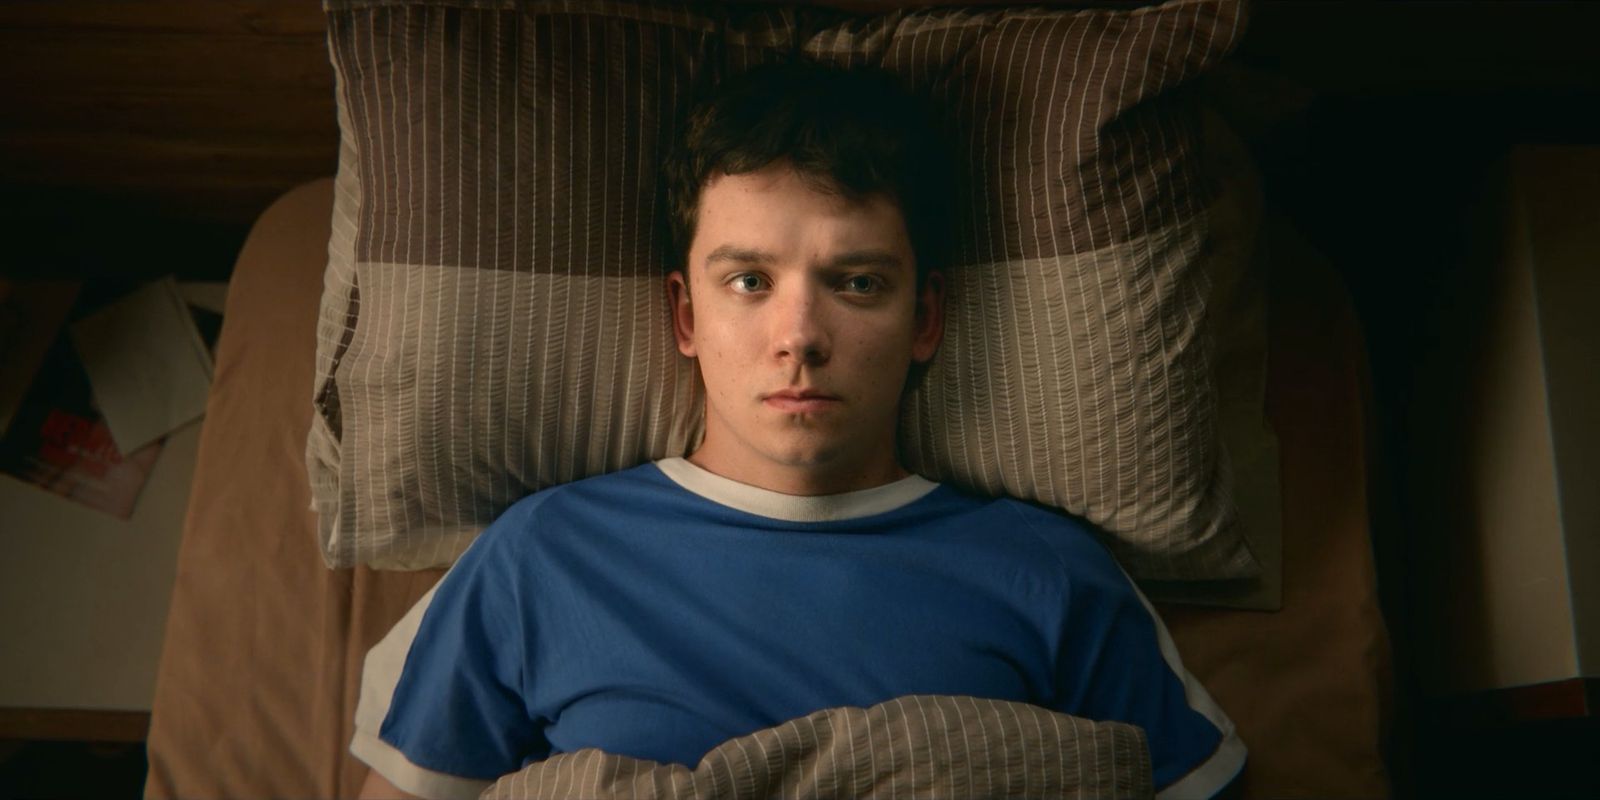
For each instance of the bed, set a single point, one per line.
(261, 667)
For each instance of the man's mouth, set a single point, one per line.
(800, 401)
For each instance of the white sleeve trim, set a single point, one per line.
(1213, 774)
(380, 672)
(408, 777)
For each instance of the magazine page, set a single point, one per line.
(59, 441)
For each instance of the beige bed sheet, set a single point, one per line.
(262, 660)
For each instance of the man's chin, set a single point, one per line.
(830, 458)
(805, 458)
(808, 454)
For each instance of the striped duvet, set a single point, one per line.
(918, 746)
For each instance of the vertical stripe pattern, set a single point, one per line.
(494, 322)
(916, 746)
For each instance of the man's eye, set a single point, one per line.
(862, 284)
(747, 283)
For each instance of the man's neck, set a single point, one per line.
(804, 480)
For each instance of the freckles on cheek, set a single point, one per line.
(717, 357)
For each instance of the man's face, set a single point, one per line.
(803, 310)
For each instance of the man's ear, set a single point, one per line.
(682, 312)
(929, 330)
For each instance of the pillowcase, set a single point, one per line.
(494, 319)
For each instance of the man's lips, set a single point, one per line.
(801, 401)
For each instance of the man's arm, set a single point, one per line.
(456, 655)
(378, 787)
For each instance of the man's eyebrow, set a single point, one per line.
(866, 258)
(855, 258)
(743, 255)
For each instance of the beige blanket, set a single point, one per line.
(915, 746)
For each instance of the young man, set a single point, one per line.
(789, 563)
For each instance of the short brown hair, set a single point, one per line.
(852, 132)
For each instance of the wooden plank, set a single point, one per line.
(121, 60)
(231, 204)
(258, 17)
(225, 191)
(214, 200)
(175, 111)
(204, 111)
(89, 234)
(93, 150)
(73, 725)
(228, 199)
(211, 188)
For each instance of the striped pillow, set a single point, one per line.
(494, 322)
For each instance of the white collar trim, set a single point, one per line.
(795, 508)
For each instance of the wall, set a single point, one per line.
(1506, 423)
(1559, 190)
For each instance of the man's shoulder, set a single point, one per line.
(598, 497)
(1028, 516)
(641, 479)
(538, 528)
(1075, 540)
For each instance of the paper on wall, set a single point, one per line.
(147, 363)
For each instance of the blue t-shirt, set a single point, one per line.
(656, 616)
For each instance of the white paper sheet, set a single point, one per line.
(147, 364)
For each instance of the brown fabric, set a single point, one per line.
(493, 320)
(1308, 687)
(261, 664)
(911, 747)
(261, 667)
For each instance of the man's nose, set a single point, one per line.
(801, 331)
